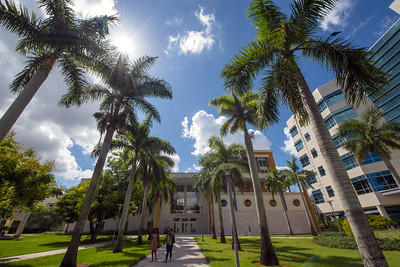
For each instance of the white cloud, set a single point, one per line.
(289, 145)
(339, 15)
(205, 125)
(174, 22)
(193, 41)
(91, 8)
(176, 159)
(385, 24)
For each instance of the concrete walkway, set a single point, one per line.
(54, 252)
(186, 253)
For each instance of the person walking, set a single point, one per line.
(154, 243)
(169, 240)
(249, 231)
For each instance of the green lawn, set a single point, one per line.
(32, 243)
(290, 251)
(96, 257)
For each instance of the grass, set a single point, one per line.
(32, 243)
(290, 251)
(395, 233)
(95, 257)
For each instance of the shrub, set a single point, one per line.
(377, 222)
(341, 240)
(55, 233)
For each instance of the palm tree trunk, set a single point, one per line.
(309, 219)
(214, 234)
(235, 237)
(221, 220)
(21, 102)
(391, 168)
(285, 210)
(267, 255)
(144, 204)
(70, 256)
(369, 249)
(125, 209)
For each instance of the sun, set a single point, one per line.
(124, 43)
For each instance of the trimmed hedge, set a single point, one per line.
(341, 240)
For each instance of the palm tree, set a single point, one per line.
(281, 40)
(136, 141)
(153, 168)
(274, 182)
(242, 111)
(295, 176)
(202, 183)
(220, 155)
(369, 135)
(58, 38)
(129, 86)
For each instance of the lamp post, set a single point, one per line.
(116, 226)
(202, 230)
(337, 221)
(227, 173)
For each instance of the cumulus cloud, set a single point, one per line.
(338, 16)
(193, 41)
(288, 143)
(176, 159)
(90, 8)
(204, 125)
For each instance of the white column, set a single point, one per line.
(382, 210)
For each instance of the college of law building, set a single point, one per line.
(376, 189)
(190, 211)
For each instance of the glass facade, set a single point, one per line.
(377, 181)
(339, 141)
(191, 202)
(349, 161)
(371, 158)
(330, 100)
(387, 57)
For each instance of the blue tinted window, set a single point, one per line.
(387, 53)
(321, 171)
(371, 158)
(345, 114)
(330, 122)
(330, 192)
(380, 44)
(307, 137)
(312, 179)
(294, 131)
(391, 63)
(361, 185)
(314, 153)
(318, 197)
(381, 180)
(339, 141)
(349, 161)
(338, 97)
(392, 114)
(299, 145)
(304, 160)
(322, 106)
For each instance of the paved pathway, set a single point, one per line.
(53, 252)
(186, 253)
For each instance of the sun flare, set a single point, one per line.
(124, 44)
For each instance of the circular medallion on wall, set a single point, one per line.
(224, 203)
(296, 202)
(273, 202)
(247, 202)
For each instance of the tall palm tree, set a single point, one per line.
(59, 38)
(219, 155)
(295, 176)
(274, 182)
(136, 141)
(281, 41)
(154, 167)
(241, 111)
(128, 87)
(202, 182)
(371, 135)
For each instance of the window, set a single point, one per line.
(178, 202)
(330, 192)
(314, 153)
(293, 131)
(299, 145)
(322, 105)
(318, 197)
(262, 162)
(334, 98)
(263, 171)
(349, 161)
(330, 122)
(321, 171)
(304, 160)
(371, 158)
(381, 180)
(339, 141)
(344, 114)
(312, 179)
(307, 136)
(361, 185)
(192, 202)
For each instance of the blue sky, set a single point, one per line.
(193, 40)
